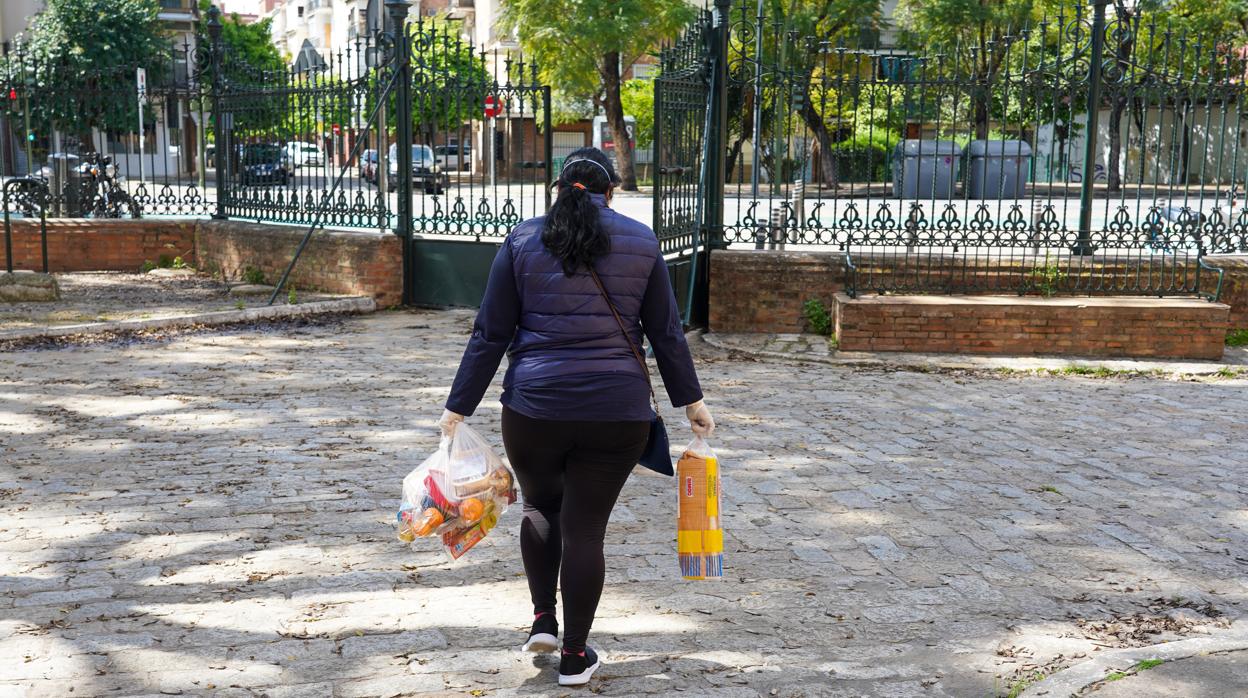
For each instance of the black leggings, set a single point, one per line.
(570, 473)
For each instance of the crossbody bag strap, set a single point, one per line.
(627, 337)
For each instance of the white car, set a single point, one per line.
(302, 153)
(454, 157)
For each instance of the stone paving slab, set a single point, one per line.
(1208, 676)
(96, 297)
(212, 516)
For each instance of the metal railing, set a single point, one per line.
(1097, 130)
(58, 122)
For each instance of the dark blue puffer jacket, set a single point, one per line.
(568, 360)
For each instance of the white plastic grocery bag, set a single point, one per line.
(458, 493)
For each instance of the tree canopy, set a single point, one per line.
(583, 47)
(77, 56)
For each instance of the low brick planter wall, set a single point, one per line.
(1169, 328)
(356, 263)
(763, 290)
(1234, 286)
(100, 245)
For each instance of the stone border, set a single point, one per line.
(1070, 682)
(355, 305)
(1235, 357)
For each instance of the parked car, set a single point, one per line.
(265, 163)
(454, 157)
(302, 153)
(368, 166)
(425, 170)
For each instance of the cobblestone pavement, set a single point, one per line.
(212, 516)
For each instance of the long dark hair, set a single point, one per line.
(573, 232)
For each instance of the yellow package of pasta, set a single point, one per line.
(699, 533)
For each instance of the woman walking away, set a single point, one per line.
(576, 403)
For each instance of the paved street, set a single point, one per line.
(212, 516)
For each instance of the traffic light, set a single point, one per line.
(12, 94)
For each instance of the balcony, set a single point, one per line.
(178, 10)
(320, 6)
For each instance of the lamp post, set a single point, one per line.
(1083, 245)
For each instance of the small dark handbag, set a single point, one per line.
(658, 453)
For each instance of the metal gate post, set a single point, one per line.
(717, 140)
(549, 151)
(714, 150)
(403, 140)
(1084, 246)
(220, 152)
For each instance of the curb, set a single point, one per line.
(927, 362)
(1069, 682)
(357, 305)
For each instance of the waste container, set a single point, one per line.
(925, 169)
(998, 169)
(65, 185)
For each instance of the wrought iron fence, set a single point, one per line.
(890, 267)
(1081, 151)
(286, 135)
(91, 143)
(1079, 130)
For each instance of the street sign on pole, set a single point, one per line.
(493, 107)
(141, 80)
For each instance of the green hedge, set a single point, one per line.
(861, 162)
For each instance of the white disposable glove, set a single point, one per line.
(700, 419)
(448, 422)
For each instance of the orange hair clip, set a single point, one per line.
(578, 185)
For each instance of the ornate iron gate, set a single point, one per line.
(322, 144)
(683, 121)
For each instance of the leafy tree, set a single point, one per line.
(977, 35)
(246, 45)
(807, 80)
(78, 55)
(637, 96)
(449, 80)
(249, 58)
(583, 46)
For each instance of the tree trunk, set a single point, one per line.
(1113, 173)
(827, 156)
(1185, 144)
(733, 153)
(615, 119)
(981, 116)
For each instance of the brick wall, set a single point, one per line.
(1234, 287)
(1099, 327)
(357, 263)
(100, 245)
(763, 291)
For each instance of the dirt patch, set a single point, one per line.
(132, 337)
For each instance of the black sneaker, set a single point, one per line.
(575, 669)
(544, 637)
